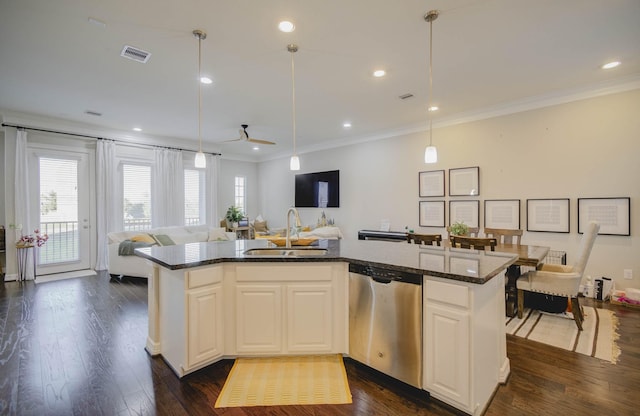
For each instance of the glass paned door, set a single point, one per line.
(63, 211)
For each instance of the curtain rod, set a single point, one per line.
(103, 138)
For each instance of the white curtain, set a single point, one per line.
(167, 196)
(22, 213)
(211, 194)
(107, 198)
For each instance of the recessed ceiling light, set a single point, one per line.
(205, 80)
(346, 125)
(286, 26)
(433, 108)
(256, 148)
(379, 73)
(137, 129)
(610, 65)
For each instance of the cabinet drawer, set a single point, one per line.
(452, 294)
(203, 277)
(283, 273)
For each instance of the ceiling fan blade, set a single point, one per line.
(232, 140)
(259, 141)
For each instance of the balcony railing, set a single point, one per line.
(62, 245)
(140, 224)
(137, 224)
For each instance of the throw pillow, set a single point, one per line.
(260, 226)
(217, 234)
(184, 238)
(163, 239)
(143, 238)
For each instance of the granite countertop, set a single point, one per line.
(456, 264)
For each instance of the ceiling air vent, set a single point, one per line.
(405, 96)
(135, 54)
(93, 113)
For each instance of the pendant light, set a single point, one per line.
(430, 153)
(200, 161)
(294, 163)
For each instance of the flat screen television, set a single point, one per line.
(318, 189)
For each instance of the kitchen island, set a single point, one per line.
(209, 301)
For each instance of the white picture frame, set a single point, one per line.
(502, 213)
(431, 213)
(548, 215)
(431, 184)
(464, 181)
(613, 215)
(465, 211)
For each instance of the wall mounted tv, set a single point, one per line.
(318, 190)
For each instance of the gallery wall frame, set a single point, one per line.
(548, 215)
(464, 181)
(431, 213)
(613, 215)
(465, 211)
(502, 213)
(431, 183)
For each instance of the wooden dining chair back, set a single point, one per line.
(473, 243)
(472, 232)
(426, 239)
(504, 236)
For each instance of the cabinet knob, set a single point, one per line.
(380, 354)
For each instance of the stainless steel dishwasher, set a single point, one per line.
(385, 321)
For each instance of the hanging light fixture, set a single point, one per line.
(294, 163)
(200, 161)
(430, 153)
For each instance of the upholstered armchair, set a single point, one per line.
(560, 280)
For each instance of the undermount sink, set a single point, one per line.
(285, 252)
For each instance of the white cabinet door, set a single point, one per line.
(447, 350)
(205, 331)
(259, 318)
(309, 318)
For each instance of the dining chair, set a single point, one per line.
(472, 232)
(474, 243)
(560, 280)
(504, 236)
(426, 239)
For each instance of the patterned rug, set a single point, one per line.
(597, 339)
(276, 381)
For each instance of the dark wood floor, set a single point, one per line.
(76, 347)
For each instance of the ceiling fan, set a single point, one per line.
(244, 136)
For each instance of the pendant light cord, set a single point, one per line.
(430, 80)
(293, 100)
(199, 93)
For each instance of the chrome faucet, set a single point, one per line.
(297, 217)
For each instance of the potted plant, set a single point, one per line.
(459, 228)
(234, 215)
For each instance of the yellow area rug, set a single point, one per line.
(278, 381)
(597, 339)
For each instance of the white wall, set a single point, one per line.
(582, 149)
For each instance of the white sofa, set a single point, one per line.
(132, 265)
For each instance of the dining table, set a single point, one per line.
(528, 255)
